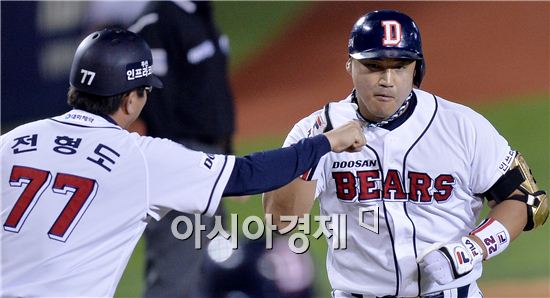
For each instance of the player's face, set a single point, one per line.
(382, 85)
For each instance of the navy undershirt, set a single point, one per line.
(269, 170)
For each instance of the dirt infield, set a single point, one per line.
(517, 288)
(474, 51)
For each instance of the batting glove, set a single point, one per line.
(443, 263)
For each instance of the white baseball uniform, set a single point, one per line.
(77, 191)
(425, 175)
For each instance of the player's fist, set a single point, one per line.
(443, 263)
(348, 137)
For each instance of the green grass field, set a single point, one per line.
(250, 25)
(529, 134)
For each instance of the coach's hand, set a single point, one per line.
(443, 263)
(348, 137)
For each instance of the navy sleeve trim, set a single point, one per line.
(329, 126)
(269, 170)
(214, 187)
(310, 172)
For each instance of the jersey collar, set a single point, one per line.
(84, 119)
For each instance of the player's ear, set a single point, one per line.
(414, 74)
(126, 103)
(348, 65)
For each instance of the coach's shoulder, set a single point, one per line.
(31, 126)
(149, 143)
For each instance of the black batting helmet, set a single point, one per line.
(112, 61)
(387, 34)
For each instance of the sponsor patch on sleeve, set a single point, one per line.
(505, 163)
(207, 161)
(317, 127)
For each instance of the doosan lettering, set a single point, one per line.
(354, 163)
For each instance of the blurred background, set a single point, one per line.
(287, 60)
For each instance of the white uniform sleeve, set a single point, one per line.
(310, 126)
(340, 113)
(303, 129)
(491, 155)
(182, 179)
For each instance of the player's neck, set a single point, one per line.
(374, 121)
(121, 119)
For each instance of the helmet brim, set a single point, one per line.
(386, 53)
(154, 81)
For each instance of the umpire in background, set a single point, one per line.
(195, 108)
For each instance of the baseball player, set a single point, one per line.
(419, 183)
(78, 189)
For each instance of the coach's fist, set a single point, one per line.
(348, 137)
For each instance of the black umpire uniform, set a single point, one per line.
(196, 109)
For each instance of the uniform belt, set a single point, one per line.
(461, 292)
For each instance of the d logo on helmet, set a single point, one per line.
(392, 33)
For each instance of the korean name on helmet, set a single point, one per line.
(112, 61)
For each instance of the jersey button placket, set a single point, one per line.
(402, 226)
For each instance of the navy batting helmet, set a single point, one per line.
(112, 61)
(387, 34)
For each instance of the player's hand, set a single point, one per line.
(348, 137)
(443, 263)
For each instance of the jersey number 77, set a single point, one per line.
(35, 182)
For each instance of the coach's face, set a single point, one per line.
(381, 85)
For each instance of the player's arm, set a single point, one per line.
(268, 170)
(510, 213)
(517, 205)
(295, 198)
